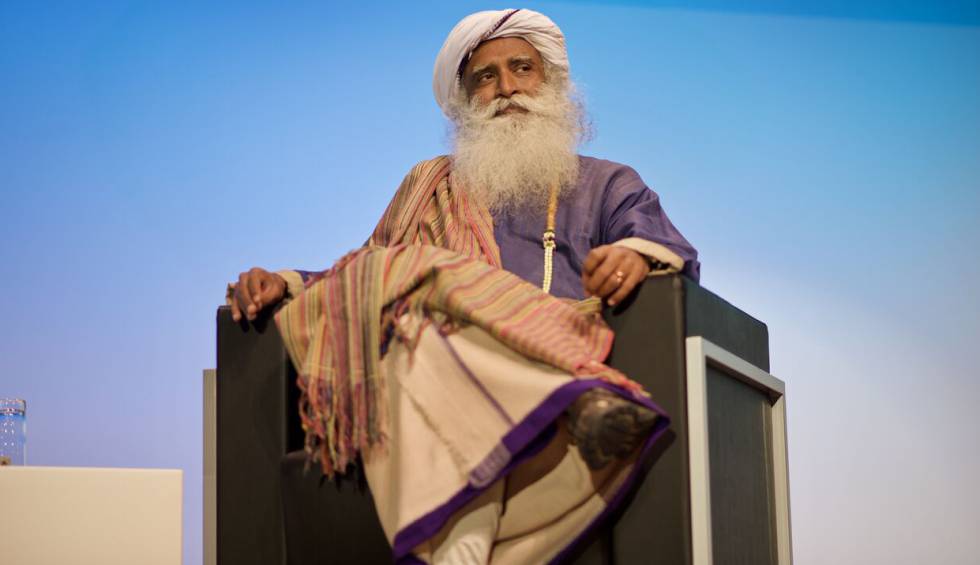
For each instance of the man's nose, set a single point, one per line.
(507, 85)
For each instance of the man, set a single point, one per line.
(488, 427)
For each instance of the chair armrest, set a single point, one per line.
(256, 424)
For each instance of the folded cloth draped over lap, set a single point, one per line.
(335, 332)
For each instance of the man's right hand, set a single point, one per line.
(256, 289)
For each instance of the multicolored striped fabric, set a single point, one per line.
(426, 211)
(432, 253)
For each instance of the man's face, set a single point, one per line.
(501, 68)
(516, 131)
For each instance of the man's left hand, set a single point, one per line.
(611, 272)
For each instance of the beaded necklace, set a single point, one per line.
(548, 238)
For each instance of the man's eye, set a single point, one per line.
(485, 77)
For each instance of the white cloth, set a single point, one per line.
(449, 399)
(470, 540)
(535, 28)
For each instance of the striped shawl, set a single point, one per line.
(433, 252)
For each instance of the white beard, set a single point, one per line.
(510, 162)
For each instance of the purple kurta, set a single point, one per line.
(609, 203)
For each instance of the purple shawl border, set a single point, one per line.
(525, 440)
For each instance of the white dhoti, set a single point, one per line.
(474, 467)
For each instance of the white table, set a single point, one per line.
(59, 515)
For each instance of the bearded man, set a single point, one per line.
(458, 354)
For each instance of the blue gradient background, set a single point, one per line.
(824, 158)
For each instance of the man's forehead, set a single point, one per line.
(501, 49)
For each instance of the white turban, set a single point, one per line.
(471, 31)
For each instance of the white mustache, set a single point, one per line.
(529, 104)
